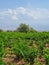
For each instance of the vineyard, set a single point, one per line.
(18, 48)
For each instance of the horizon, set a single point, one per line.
(34, 13)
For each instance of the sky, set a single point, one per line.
(34, 13)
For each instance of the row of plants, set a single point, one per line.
(27, 46)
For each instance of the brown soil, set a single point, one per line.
(11, 58)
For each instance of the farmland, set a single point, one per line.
(18, 48)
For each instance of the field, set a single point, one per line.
(18, 48)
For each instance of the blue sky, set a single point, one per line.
(35, 13)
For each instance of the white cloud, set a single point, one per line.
(21, 10)
(35, 14)
(10, 11)
(38, 13)
(14, 18)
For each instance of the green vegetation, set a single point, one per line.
(28, 46)
(31, 48)
(25, 28)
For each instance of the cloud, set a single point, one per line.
(36, 14)
(14, 18)
(21, 10)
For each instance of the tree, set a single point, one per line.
(32, 30)
(23, 28)
(1, 30)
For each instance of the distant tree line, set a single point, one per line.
(22, 28)
(25, 28)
